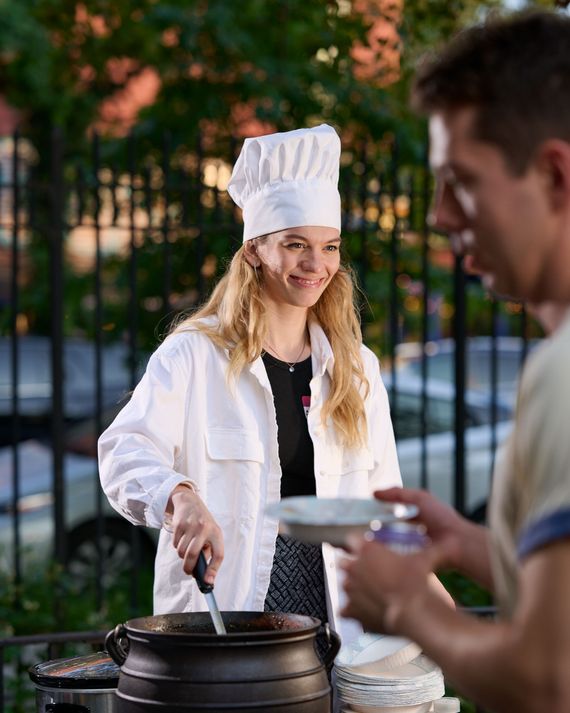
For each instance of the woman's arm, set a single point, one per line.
(137, 462)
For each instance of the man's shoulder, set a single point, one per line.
(550, 361)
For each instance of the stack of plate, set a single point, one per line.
(443, 705)
(377, 674)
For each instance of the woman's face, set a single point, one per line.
(297, 264)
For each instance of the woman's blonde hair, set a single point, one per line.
(241, 328)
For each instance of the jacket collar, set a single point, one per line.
(323, 357)
(321, 350)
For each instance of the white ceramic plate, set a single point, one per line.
(331, 520)
(443, 705)
(421, 708)
(372, 654)
(417, 682)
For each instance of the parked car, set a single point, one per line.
(35, 507)
(35, 389)
(482, 436)
(440, 354)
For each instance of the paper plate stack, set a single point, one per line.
(385, 674)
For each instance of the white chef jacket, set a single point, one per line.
(184, 421)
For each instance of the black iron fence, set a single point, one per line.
(100, 250)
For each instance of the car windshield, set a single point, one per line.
(439, 415)
(34, 367)
(441, 367)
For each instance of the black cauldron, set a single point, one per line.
(266, 663)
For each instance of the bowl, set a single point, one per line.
(374, 654)
(317, 520)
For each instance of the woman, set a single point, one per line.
(265, 391)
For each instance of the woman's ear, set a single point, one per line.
(250, 252)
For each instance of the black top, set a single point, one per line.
(291, 394)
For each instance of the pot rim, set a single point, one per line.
(303, 625)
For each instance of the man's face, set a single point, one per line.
(499, 221)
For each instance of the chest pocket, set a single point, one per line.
(234, 444)
(340, 461)
(234, 472)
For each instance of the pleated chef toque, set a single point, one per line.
(288, 180)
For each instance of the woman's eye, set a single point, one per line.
(331, 248)
(295, 245)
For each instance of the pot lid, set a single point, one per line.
(92, 671)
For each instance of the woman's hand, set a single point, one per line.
(193, 530)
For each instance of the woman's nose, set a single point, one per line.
(312, 261)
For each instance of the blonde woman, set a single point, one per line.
(266, 391)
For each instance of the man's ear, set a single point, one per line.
(553, 161)
(250, 252)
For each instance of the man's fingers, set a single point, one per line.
(353, 544)
(411, 496)
(443, 552)
(389, 494)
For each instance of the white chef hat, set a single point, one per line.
(288, 180)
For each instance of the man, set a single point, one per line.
(498, 101)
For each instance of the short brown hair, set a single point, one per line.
(514, 72)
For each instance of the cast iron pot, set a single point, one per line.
(265, 663)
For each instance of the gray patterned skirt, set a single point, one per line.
(297, 584)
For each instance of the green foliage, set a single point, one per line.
(49, 600)
(291, 61)
(465, 592)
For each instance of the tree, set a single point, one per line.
(217, 68)
(219, 64)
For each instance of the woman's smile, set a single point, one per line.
(306, 283)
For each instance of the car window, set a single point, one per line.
(439, 366)
(406, 416)
(34, 366)
(478, 366)
(479, 369)
(440, 415)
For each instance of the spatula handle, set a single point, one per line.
(199, 572)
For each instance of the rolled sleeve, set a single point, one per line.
(538, 534)
(139, 450)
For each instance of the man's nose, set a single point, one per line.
(446, 214)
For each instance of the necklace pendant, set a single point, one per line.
(291, 369)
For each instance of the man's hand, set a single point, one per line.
(381, 584)
(463, 542)
(193, 530)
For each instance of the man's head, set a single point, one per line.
(498, 98)
(516, 75)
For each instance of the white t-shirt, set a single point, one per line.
(530, 506)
